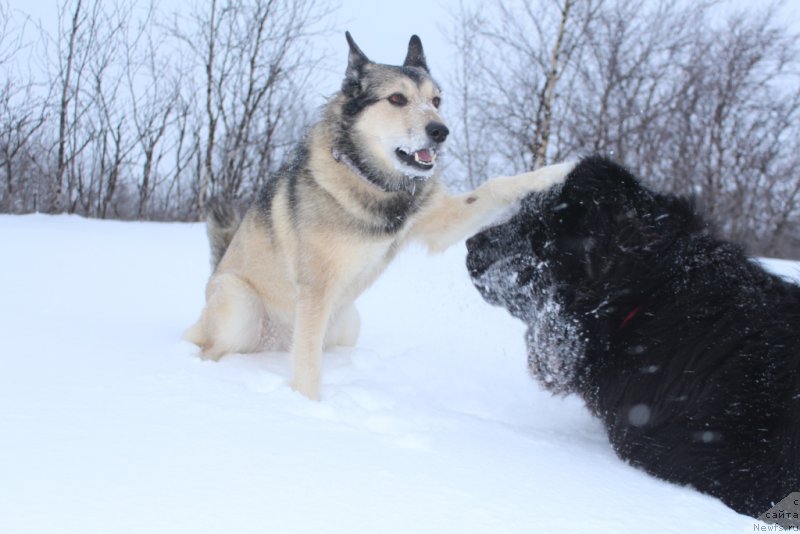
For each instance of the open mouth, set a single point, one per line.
(423, 159)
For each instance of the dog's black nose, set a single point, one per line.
(437, 131)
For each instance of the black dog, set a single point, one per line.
(686, 349)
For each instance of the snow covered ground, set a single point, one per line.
(109, 423)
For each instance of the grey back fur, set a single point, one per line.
(222, 222)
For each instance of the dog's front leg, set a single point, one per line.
(452, 218)
(312, 313)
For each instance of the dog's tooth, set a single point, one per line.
(426, 163)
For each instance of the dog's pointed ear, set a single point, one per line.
(356, 61)
(415, 56)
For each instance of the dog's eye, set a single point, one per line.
(437, 102)
(398, 99)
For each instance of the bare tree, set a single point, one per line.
(118, 130)
(21, 118)
(65, 74)
(527, 48)
(544, 113)
(253, 55)
(698, 107)
(467, 144)
(113, 139)
(736, 120)
(91, 120)
(153, 82)
(176, 201)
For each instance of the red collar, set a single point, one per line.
(628, 318)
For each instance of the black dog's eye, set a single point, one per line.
(398, 99)
(437, 102)
(537, 238)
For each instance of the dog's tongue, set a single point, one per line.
(424, 155)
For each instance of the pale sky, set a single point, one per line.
(381, 30)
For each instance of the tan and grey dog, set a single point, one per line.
(361, 185)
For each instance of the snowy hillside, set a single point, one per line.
(109, 423)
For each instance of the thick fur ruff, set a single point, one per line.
(685, 348)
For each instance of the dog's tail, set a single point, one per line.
(222, 222)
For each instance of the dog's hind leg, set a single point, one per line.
(344, 328)
(233, 319)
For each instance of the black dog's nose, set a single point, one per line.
(479, 254)
(475, 242)
(437, 131)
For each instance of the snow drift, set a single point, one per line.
(110, 423)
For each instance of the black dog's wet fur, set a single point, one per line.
(691, 351)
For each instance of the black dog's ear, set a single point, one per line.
(673, 212)
(415, 56)
(356, 60)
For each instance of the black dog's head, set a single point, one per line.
(600, 226)
(578, 257)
